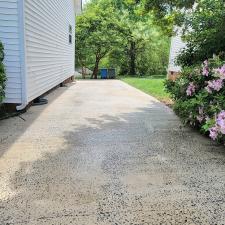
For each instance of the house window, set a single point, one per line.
(70, 34)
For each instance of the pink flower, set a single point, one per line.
(219, 127)
(213, 133)
(208, 89)
(221, 122)
(191, 89)
(200, 117)
(221, 71)
(214, 85)
(205, 71)
(206, 63)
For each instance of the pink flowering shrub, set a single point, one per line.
(191, 89)
(214, 85)
(219, 128)
(199, 97)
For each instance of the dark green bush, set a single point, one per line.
(2, 74)
(203, 32)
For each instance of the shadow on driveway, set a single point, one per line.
(140, 168)
(13, 128)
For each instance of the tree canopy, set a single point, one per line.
(202, 22)
(96, 35)
(204, 32)
(167, 6)
(119, 34)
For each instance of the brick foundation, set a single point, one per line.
(173, 75)
(69, 80)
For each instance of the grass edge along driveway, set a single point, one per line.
(151, 86)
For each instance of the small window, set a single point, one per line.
(70, 34)
(70, 38)
(70, 29)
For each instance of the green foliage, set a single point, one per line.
(2, 73)
(114, 33)
(164, 6)
(199, 96)
(203, 32)
(97, 33)
(203, 24)
(167, 12)
(154, 58)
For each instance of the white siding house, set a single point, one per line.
(38, 37)
(10, 36)
(176, 46)
(78, 6)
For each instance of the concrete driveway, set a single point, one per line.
(104, 153)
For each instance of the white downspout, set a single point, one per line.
(21, 8)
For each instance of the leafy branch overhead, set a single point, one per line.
(205, 33)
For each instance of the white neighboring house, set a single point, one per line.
(176, 46)
(38, 37)
(78, 6)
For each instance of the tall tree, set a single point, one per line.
(138, 28)
(97, 32)
(118, 33)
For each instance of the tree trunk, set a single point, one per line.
(132, 55)
(95, 71)
(83, 72)
(82, 63)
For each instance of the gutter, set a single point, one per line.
(22, 37)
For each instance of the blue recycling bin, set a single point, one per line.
(104, 73)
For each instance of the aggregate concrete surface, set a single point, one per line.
(104, 153)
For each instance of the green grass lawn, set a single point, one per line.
(153, 86)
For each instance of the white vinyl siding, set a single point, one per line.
(9, 35)
(176, 46)
(78, 6)
(49, 55)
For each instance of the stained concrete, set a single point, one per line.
(104, 153)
